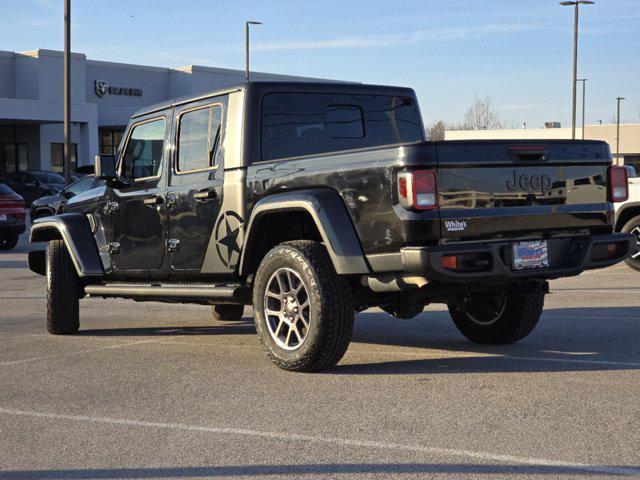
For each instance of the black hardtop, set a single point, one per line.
(262, 87)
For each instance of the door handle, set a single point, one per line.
(111, 207)
(154, 200)
(204, 195)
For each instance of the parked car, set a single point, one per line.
(33, 184)
(11, 217)
(312, 201)
(56, 203)
(628, 219)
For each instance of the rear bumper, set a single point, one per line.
(567, 257)
(16, 228)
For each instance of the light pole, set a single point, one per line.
(67, 92)
(576, 4)
(584, 92)
(618, 99)
(246, 31)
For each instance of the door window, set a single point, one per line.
(143, 155)
(198, 139)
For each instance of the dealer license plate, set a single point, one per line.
(3, 217)
(529, 255)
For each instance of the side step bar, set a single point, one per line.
(173, 292)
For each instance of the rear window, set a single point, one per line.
(296, 124)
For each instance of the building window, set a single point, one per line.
(109, 140)
(57, 157)
(633, 161)
(13, 157)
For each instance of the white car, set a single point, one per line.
(628, 216)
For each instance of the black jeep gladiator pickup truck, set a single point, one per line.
(312, 201)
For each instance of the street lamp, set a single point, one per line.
(576, 5)
(67, 92)
(584, 91)
(246, 31)
(618, 99)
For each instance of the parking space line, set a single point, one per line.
(345, 442)
(81, 352)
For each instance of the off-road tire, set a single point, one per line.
(331, 312)
(633, 226)
(8, 242)
(519, 316)
(63, 291)
(227, 313)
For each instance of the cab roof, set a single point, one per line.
(265, 86)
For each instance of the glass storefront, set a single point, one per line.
(57, 157)
(13, 157)
(109, 140)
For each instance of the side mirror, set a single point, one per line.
(105, 167)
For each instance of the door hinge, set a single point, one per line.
(173, 245)
(114, 248)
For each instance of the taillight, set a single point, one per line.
(418, 189)
(12, 205)
(618, 184)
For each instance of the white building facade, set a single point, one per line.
(103, 97)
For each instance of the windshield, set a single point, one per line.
(48, 177)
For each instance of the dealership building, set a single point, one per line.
(629, 147)
(103, 97)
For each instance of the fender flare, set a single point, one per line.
(75, 230)
(330, 215)
(621, 211)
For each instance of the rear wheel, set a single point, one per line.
(227, 313)
(633, 226)
(63, 291)
(498, 318)
(303, 309)
(8, 242)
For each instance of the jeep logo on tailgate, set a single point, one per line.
(529, 183)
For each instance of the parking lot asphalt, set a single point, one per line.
(150, 390)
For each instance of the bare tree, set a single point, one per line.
(435, 132)
(482, 115)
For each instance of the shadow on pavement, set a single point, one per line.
(280, 471)
(567, 339)
(241, 327)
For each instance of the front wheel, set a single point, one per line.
(633, 226)
(303, 310)
(63, 291)
(227, 313)
(498, 318)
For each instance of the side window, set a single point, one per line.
(199, 133)
(345, 121)
(295, 124)
(143, 154)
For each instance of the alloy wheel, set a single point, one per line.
(287, 309)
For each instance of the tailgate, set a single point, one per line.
(515, 188)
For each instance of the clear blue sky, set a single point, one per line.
(516, 51)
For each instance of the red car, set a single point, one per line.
(11, 217)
